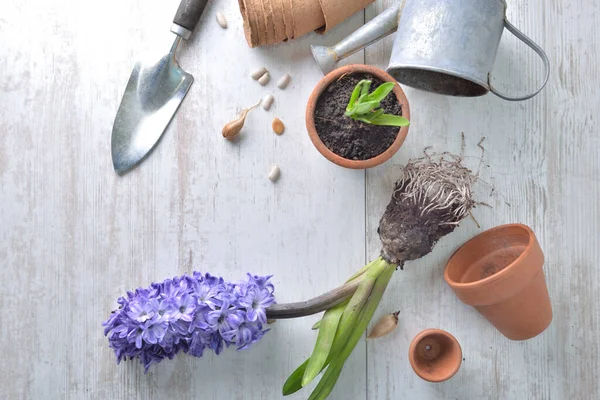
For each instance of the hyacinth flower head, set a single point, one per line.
(189, 314)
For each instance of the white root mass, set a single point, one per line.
(438, 182)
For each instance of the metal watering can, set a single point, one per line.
(442, 46)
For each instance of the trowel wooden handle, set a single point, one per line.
(187, 17)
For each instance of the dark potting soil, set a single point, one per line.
(353, 140)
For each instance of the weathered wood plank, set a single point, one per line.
(74, 236)
(543, 157)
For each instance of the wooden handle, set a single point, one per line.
(188, 14)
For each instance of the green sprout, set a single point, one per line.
(365, 106)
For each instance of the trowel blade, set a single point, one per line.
(153, 94)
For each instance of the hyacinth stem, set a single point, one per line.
(320, 303)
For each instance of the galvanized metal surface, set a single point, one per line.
(155, 90)
(440, 46)
(449, 47)
(378, 28)
(535, 47)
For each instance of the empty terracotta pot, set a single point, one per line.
(435, 355)
(499, 272)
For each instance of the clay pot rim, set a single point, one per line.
(418, 338)
(314, 136)
(498, 275)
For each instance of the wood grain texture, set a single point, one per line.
(543, 160)
(74, 236)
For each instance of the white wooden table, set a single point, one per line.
(74, 236)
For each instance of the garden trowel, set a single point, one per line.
(153, 94)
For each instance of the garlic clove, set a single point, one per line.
(284, 81)
(268, 102)
(263, 80)
(257, 73)
(384, 326)
(274, 173)
(221, 20)
(232, 129)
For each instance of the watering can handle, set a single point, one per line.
(520, 35)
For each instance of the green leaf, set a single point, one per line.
(354, 308)
(361, 271)
(352, 330)
(294, 382)
(366, 107)
(376, 114)
(368, 117)
(327, 382)
(382, 91)
(366, 85)
(388, 120)
(354, 96)
(367, 313)
(366, 120)
(317, 325)
(327, 330)
(334, 370)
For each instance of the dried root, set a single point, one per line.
(438, 183)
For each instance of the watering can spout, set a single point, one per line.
(379, 27)
(325, 57)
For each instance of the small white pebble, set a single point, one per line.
(257, 73)
(222, 20)
(268, 101)
(284, 81)
(263, 80)
(274, 173)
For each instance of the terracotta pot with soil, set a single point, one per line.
(499, 272)
(435, 355)
(343, 140)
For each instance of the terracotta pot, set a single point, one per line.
(312, 104)
(499, 272)
(435, 355)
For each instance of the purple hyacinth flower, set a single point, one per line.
(140, 310)
(248, 335)
(255, 302)
(262, 282)
(199, 322)
(209, 294)
(112, 322)
(123, 330)
(165, 311)
(216, 343)
(135, 336)
(224, 320)
(188, 314)
(154, 332)
(184, 308)
(200, 341)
